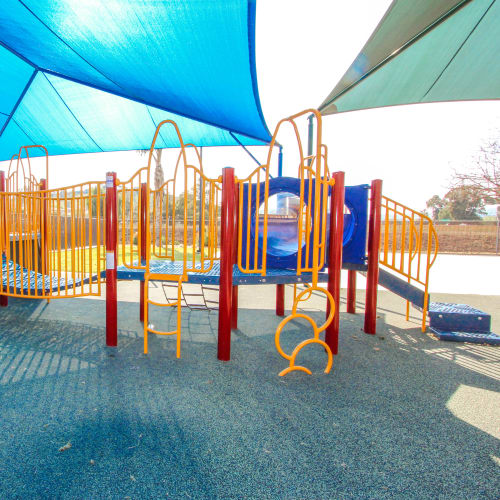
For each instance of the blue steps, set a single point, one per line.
(450, 317)
(472, 337)
(453, 322)
(461, 323)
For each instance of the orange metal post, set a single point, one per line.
(335, 259)
(351, 292)
(4, 299)
(226, 264)
(143, 229)
(373, 257)
(44, 220)
(111, 241)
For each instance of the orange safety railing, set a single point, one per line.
(129, 200)
(409, 246)
(162, 242)
(25, 181)
(51, 242)
(195, 198)
(314, 184)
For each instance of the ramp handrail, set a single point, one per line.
(409, 246)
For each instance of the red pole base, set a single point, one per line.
(351, 292)
(234, 309)
(111, 309)
(4, 300)
(370, 325)
(280, 300)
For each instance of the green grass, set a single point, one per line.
(63, 260)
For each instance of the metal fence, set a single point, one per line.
(468, 237)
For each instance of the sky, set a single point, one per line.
(302, 51)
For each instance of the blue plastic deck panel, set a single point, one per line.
(282, 232)
(273, 276)
(17, 279)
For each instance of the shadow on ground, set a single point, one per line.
(379, 426)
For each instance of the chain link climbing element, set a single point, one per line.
(308, 292)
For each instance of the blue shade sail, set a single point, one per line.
(425, 51)
(99, 75)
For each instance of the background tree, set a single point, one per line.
(459, 203)
(179, 205)
(434, 205)
(484, 173)
(159, 176)
(464, 203)
(472, 189)
(92, 206)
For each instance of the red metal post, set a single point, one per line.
(351, 292)
(111, 243)
(335, 244)
(234, 298)
(280, 299)
(234, 309)
(373, 257)
(226, 263)
(142, 222)
(4, 299)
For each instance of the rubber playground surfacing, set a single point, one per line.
(401, 415)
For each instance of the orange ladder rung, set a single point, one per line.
(177, 303)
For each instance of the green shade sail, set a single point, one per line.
(425, 51)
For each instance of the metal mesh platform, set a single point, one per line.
(18, 279)
(443, 307)
(272, 276)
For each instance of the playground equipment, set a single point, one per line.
(153, 255)
(50, 239)
(68, 242)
